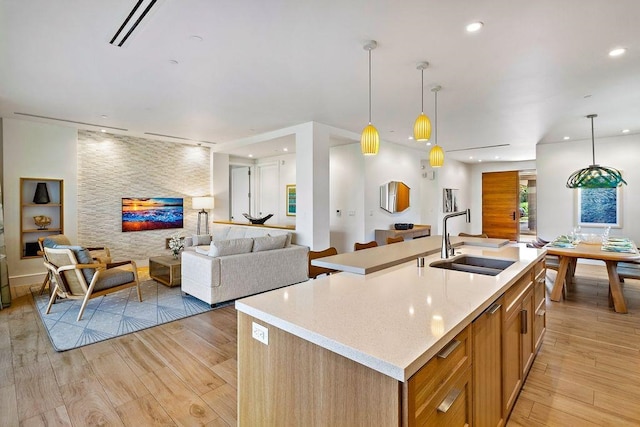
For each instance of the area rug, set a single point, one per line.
(115, 314)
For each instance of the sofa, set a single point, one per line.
(240, 261)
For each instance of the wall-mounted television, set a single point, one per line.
(152, 213)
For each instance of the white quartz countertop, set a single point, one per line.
(393, 320)
(385, 256)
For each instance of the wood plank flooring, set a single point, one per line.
(184, 373)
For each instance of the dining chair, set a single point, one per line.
(359, 246)
(315, 271)
(391, 240)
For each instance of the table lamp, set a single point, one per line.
(203, 203)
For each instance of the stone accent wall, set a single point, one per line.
(111, 167)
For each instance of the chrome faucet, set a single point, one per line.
(446, 249)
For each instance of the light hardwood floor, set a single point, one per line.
(184, 373)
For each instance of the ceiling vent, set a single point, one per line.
(130, 24)
(479, 148)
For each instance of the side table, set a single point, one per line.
(165, 269)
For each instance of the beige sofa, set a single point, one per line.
(242, 261)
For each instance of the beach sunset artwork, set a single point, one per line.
(152, 213)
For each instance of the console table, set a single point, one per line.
(416, 231)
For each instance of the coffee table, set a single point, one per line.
(165, 269)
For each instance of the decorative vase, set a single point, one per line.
(42, 221)
(42, 194)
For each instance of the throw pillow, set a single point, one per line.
(83, 256)
(288, 235)
(230, 247)
(268, 243)
(220, 233)
(203, 239)
(203, 250)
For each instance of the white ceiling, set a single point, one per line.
(530, 75)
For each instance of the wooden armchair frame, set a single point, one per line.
(71, 283)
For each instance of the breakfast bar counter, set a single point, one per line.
(381, 257)
(382, 327)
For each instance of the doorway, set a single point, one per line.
(509, 205)
(528, 205)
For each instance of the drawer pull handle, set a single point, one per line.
(448, 401)
(495, 308)
(449, 349)
(523, 322)
(541, 312)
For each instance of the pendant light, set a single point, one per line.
(595, 176)
(370, 140)
(422, 126)
(436, 155)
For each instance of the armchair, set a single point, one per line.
(88, 279)
(100, 254)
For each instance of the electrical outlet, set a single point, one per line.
(260, 333)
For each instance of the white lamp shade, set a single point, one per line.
(205, 202)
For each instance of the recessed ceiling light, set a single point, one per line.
(173, 62)
(497, 157)
(474, 26)
(479, 160)
(250, 155)
(103, 130)
(617, 51)
(587, 96)
(566, 137)
(104, 116)
(428, 143)
(195, 38)
(410, 138)
(285, 149)
(625, 131)
(470, 157)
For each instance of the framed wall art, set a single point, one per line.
(599, 207)
(151, 213)
(291, 200)
(449, 200)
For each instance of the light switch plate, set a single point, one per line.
(260, 333)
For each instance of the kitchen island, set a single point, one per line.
(343, 349)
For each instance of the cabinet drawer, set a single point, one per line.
(451, 405)
(426, 384)
(514, 293)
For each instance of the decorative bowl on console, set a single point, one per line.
(403, 226)
(254, 220)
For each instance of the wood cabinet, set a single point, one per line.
(54, 209)
(487, 367)
(440, 392)
(522, 332)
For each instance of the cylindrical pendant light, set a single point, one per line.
(370, 139)
(422, 126)
(436, 155)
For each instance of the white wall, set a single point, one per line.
(286, 164)
(35, 150)
(557, 204)
(346, 164)
(456, 175)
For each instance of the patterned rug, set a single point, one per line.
(114, 314)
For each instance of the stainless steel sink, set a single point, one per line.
(473, 264)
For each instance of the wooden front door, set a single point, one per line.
(500, 207)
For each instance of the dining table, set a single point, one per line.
(568, 257)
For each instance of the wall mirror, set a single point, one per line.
(394, 196)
